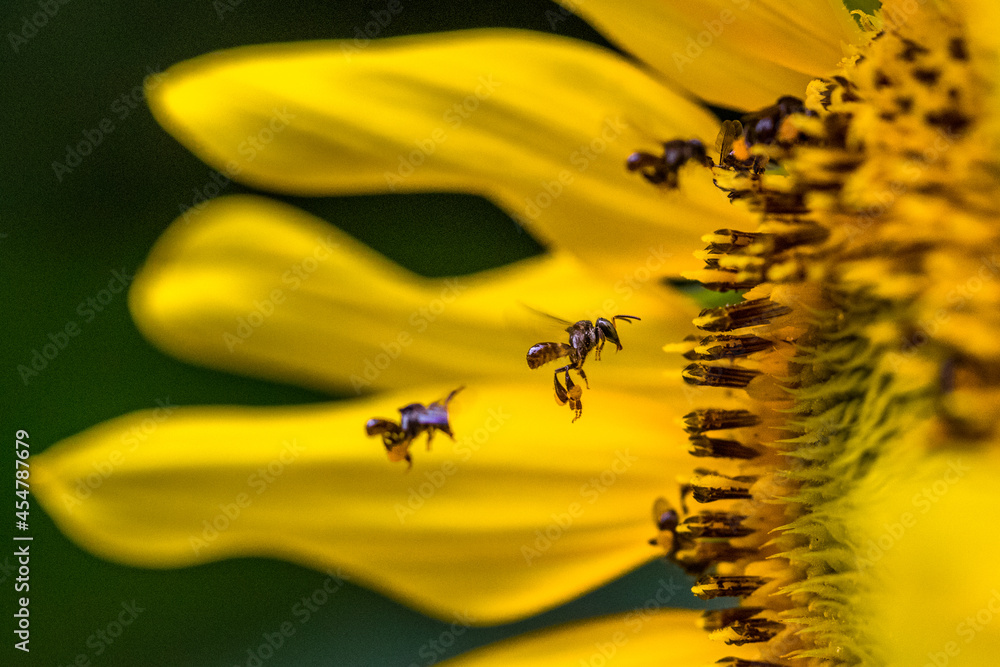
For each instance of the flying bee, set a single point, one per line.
(584, 336)
(662, 169)
(414, 419)
(767, 126)
(666, 519)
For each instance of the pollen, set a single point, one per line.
(869, 299)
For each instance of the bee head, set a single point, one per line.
(608, 329)
(378, 426)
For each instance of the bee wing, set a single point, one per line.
(536, 326)
(542, 313)
(661, 513)
(731, 130)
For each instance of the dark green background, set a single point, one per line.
(60, 241)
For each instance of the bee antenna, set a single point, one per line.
(452, 395)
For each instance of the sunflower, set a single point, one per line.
(843, 411)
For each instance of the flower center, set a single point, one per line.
(867, 328)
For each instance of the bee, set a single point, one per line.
(666, 519)
(584, 336)
(662, 170)
(696, 541)
(414, 419)
(766, 127)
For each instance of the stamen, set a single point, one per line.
(713, 419)
(718, 376)
(711, 587)
(713, 348)
(708, 486)
(957, 49)
(714, 524)
(911, 50)
(740, 315)
(751, 631)
(718, 619)
(730, 240)
(705, 554)
(721, 449)
(739, 662)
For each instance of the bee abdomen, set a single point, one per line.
(543, 353)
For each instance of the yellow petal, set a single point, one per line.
(522, 512)
(927, 548)
(638, 639)
(255, 286)
(538, 124)
(741, 54)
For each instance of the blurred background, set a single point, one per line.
(73, 69)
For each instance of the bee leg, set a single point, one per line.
(686, 490)
(584, 376)
(561, 395)
(575, 403)
(759, 164)
(409, 461)
(573, 394)
(430, 436)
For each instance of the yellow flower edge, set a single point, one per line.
(732, 53)
(258, 287)
(523, 511)
(540, 125)
(645, 636)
